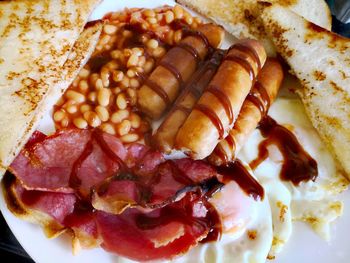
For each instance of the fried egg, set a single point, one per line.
(316, 202)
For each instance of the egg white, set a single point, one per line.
(312, 202)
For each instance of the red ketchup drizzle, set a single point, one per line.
(298, 165)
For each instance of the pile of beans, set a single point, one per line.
(104, 93)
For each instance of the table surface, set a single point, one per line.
(10, 249)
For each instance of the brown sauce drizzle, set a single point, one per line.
(157, 89)
(199, 80)
(213, 118)
(183, 109)
(220, 153)
(249, 50)
(217, 92)
(191, 50)
(188, 32)
(242, 62)
(237, 172)
(259, 97)
(168, 66)
(298, 165)
(230, 141)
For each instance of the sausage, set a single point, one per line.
(215, 112)
(164, 137)
(253, 110)
(162, 87)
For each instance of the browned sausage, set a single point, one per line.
(162, 87)
(215, 112)
(254, 108)
(165, 135)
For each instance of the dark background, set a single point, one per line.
(11, 250)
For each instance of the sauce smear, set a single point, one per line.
(298, 165)
(235, 171)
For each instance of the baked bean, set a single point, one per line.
(135, 120)
(59, 115)
(129, 138)
(142, 61)
(76, 96)
(119, 116)
(93, 78)
(178, 12)
(121, 101)
(125, 82)
(80, 123)
(159, 17)
(133, 60)
(139, 69)
(124, 127)
(177, 36)
(92, 119)
(83, 85)
(112, 65)
(65, 122)
(60, 101)
(103, 96)
(152, 43)
(117, 75)
(169, 16)
(152, 20)
(137, 51)
(149, 13)
(102, 113)
(104, 40)
(99, 84)
(110, 29)
(108, 128)
(72, 109)
(84, 73)
(158, 52)
(68, 103)
(188, 18)
(170, 37)
(85, 108)
(116, 54)
(105, 73)
(130, 73)
(134, 83)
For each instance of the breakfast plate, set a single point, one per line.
(304, 245)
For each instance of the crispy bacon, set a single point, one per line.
(82, 161)
(159, 234)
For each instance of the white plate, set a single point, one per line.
(304, 246)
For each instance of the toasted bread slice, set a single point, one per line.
(321, 61)
(241, 18)
(35, 42)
